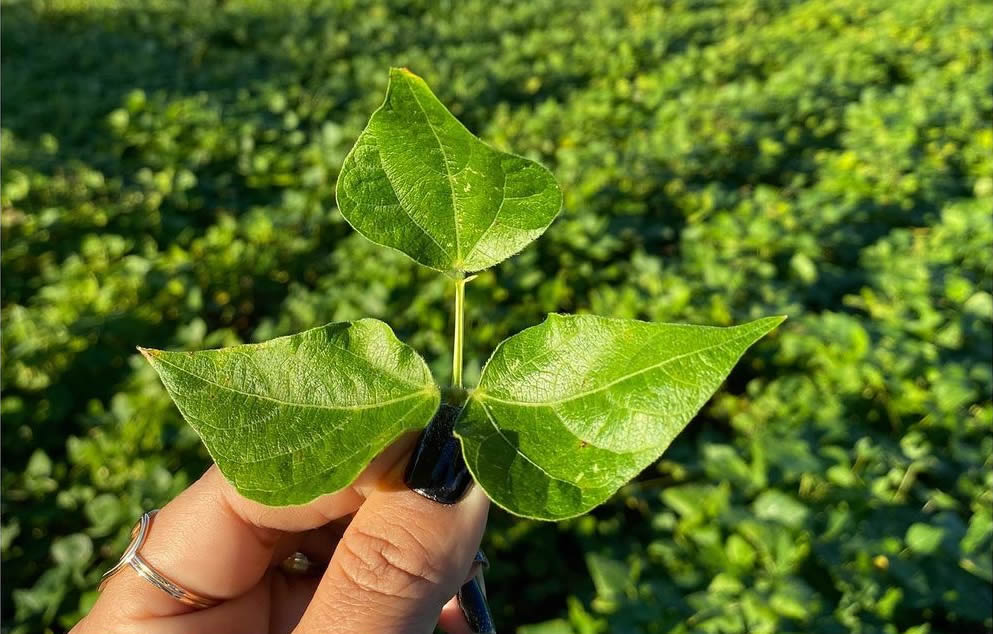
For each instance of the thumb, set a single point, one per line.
(400, 561)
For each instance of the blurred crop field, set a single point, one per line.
(168, 173)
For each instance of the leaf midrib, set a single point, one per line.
(448, 172)
(398, 426)
(400, 202)
(425, 391)
(482, 394)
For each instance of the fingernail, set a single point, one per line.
(474, 607)
(436, 469)
(480, 558)
(479, 565)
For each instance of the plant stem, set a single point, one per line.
(460, 282)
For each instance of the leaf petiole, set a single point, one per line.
(460, 281)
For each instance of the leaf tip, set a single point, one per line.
(768, 323)
(402, 71)
(149, 353)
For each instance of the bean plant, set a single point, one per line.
(565, 412)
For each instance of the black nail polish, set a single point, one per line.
(437, 470)
(474, 607)
(482, 559)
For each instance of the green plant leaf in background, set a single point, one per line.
(296, 417)
(569, 410)
(419, 182)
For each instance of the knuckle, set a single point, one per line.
(391, 561)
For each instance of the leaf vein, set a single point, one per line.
(483, 395)
(519, 452)
(401, 204)
(448, 171)
(291, 403)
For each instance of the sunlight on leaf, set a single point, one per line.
(568, 411)
(419, 182)
(297, 417)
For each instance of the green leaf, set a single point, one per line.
(569, 410)
(610, 577)
(555, 626)
(297, 417)
(779, 507)
(924, 538)
(419, 182)
(74, 550)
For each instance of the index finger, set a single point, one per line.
(212, 541)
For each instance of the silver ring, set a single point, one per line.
(132, 558)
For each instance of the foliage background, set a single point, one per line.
(168, 180)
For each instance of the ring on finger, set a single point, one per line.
(133, 559)
(300, 564)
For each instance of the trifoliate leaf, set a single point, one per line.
(296, 417)
(419, 182)
(568, 411)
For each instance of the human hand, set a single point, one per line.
(396, 558)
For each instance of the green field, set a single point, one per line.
(168, 174)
